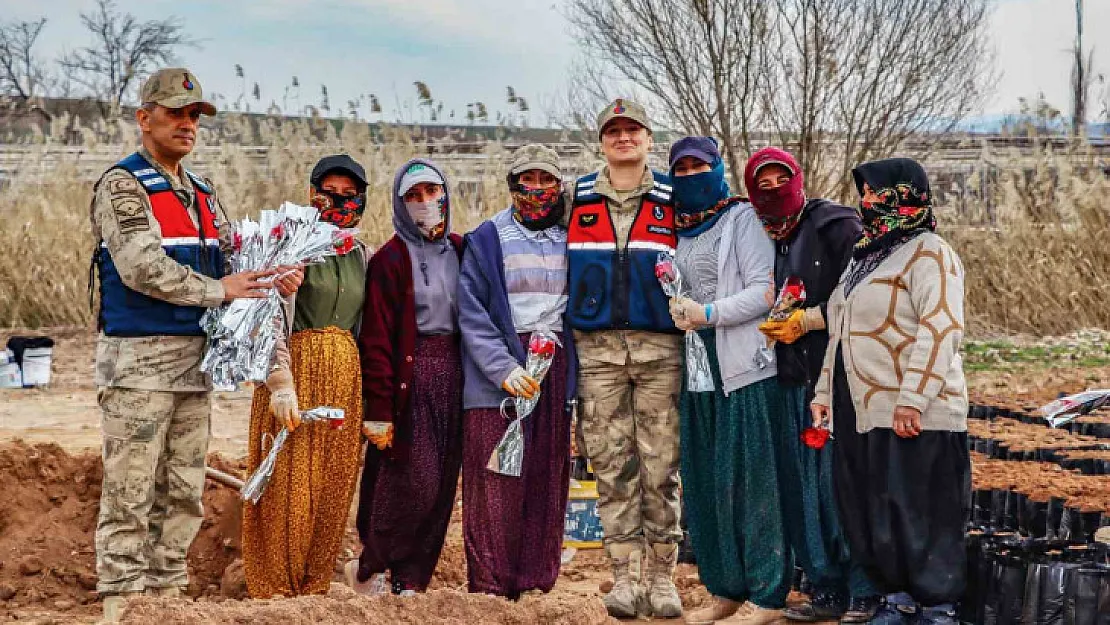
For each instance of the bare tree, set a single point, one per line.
(853, 81)
(861, 75)
(122, 50)
(697, 59)
(23, 75)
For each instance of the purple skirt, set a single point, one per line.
(513, 526)
(405, 507)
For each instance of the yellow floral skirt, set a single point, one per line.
(292, 536)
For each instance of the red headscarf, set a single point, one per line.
(779, 209)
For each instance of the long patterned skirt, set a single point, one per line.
(513, 526)
(405, 507)
(292, 536)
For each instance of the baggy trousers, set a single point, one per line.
(155, 444)
(630, 425)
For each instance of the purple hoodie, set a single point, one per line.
(435, 265)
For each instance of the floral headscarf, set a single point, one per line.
(905, 207)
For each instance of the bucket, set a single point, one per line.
(10, 376)
(34, 355)
(582, 527)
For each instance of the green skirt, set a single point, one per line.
(731, 487)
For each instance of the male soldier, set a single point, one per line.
(629, 354)
(160, 229)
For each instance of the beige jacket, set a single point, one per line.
(900, 332)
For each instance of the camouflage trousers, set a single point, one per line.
(155, 444)
(630, 424)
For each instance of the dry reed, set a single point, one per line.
(1042, 267)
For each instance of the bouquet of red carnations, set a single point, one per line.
(1067, 409)
(242, 333)
(699, 377)
(508, 456)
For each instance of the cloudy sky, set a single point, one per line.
(470, 50)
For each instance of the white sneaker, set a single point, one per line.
(376, 585)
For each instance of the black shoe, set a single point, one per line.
(822, 606)
(861, 609)
(944, 614)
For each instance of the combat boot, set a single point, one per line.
(661, 593)
(114, 606)
(626, 599)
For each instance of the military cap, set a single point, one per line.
(174, 87)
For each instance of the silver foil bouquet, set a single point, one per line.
(256, 485)
(699, 377)
(508, 456)
(1066, 409)
(242, 334)
(791, 297)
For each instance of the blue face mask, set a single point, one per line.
(700, 192)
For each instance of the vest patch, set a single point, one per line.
(587, 220)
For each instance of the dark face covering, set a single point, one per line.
(904, 207)
(342, 210)
(779, 209)
(536, 209)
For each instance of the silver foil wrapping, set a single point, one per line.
(508, 456)
(699, 377)
(1066, 409)
(243, 333)
(255, 486)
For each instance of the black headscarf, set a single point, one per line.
(905, 210)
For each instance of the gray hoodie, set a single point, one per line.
(435, 264)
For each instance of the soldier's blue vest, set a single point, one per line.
(126, 312)
(611, 288)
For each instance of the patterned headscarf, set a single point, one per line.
(905, 207)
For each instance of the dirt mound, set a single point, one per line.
(48, 520)
(341, 605)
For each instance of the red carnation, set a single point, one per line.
(815, 438)
(344, 243)
(541, 346)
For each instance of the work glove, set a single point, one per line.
(283, 398)
(789, 330)
(520, 384)
(379, 433)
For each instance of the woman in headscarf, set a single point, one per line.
(814, 239)
(412, 383)
(291, 537)
(514, 282)
(730, 436)
(893, 374)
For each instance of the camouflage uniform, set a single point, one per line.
(629, 385)
(155, 402)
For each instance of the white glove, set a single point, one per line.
(520, 384)
(283, 398)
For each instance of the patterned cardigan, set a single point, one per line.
(900, 332)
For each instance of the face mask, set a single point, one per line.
(780, 209)
(537, 209)
(700, 192)
(430, 217)
(340, 210)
